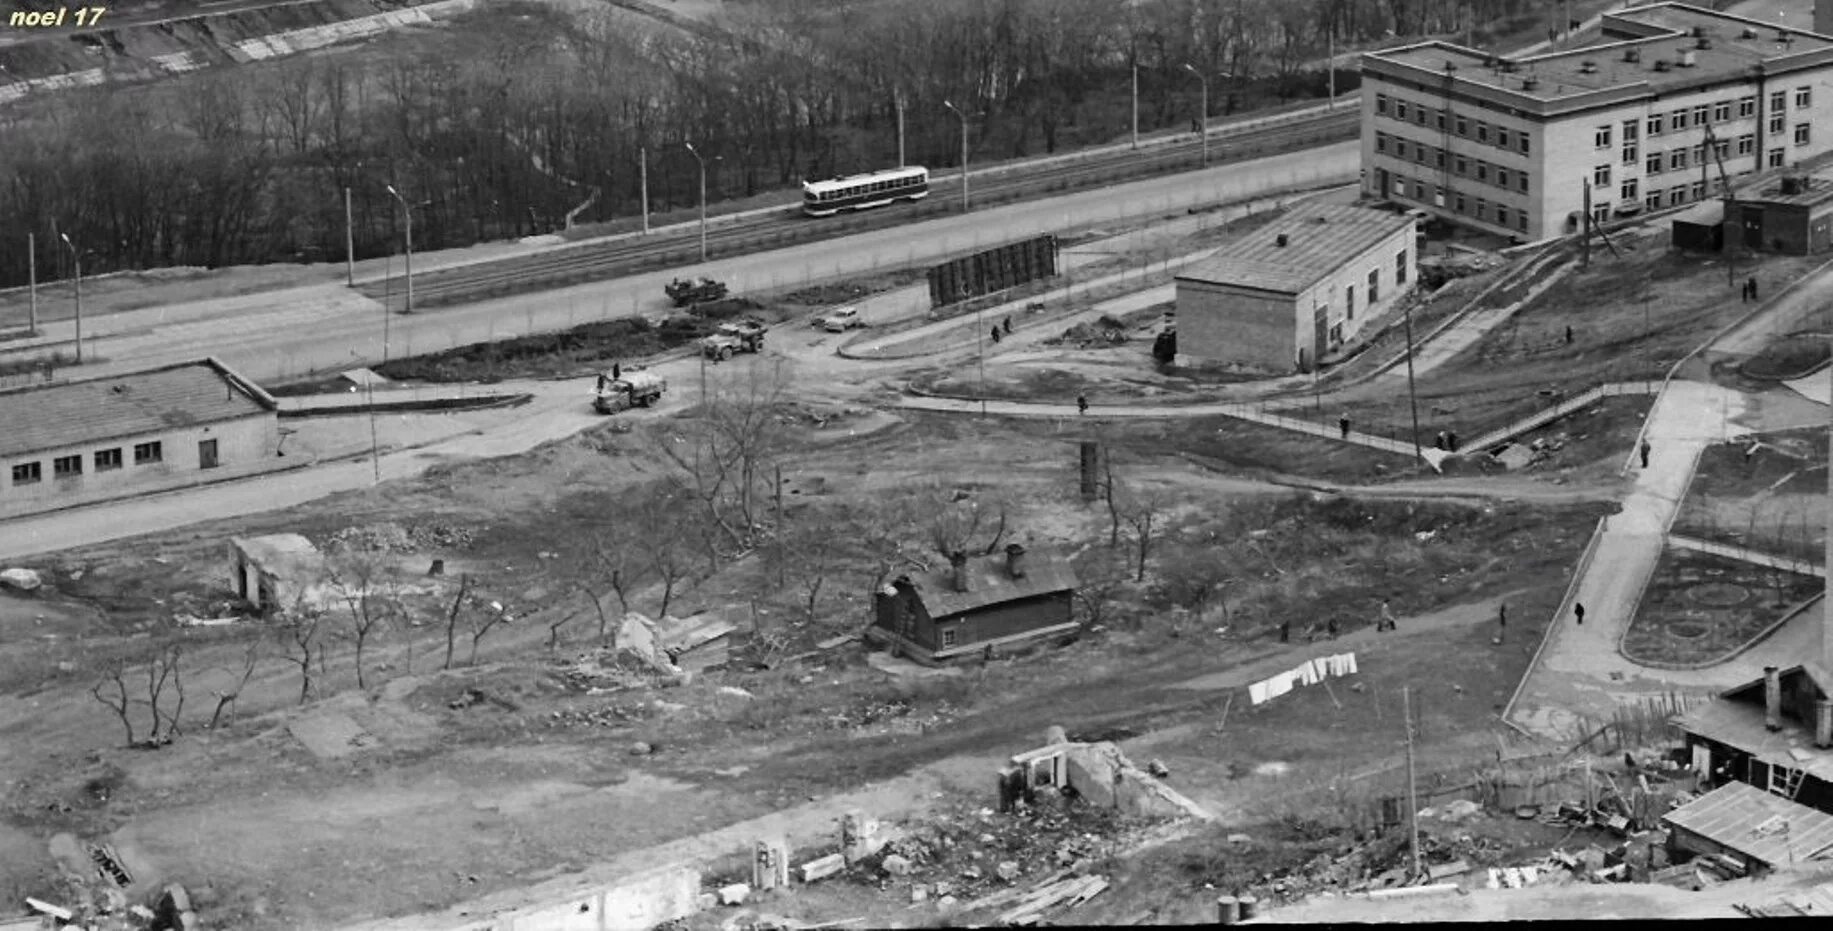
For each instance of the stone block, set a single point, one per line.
(823, 867)
(734, 894)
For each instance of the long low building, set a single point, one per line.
(1295, 292)
(74, 442)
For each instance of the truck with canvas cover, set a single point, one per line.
(694, 291)
(733, 338)
(631, 389)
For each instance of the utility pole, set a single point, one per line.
(963, 116)
(349, 244)
(407, 210)
(77, 257)
(1136, 104)
(691, 151)
(1406, 705)
(1203, 124)
(31, 261)
(642, 170)
(898, 95)
(1330, 44)
(1406, 312)
(1584, 246)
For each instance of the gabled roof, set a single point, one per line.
(989, 583)
(1319, 239)
(1758, 824)
(1812, 670)
(1736, 719)
(678, 635)
(47, 418)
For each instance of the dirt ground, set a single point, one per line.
(1700, 607)
(1759, 500)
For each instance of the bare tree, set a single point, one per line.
(163, 674)
(729, 448)
(119, 703)
(808, 548)
(367, 586)
(615, 565)
(482, 622)
(458, 605)
(1195, 575)
(225, 698)
(301, 628)
(1142, 510)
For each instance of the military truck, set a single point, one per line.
(630, 389)
(733, 338)
(695, 291)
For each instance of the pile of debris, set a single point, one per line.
(170, 910)
(1105, 330)
(384, 537)
(439, 535)
(894, 716)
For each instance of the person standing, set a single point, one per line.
(1753, 288)
(617, 371)
(1008, 326)
(995, 333)
(1501, 621)
(1568, 335)
(1644, 449)
(1387, 617)
(1451, 441)
(1343, 425)
(1285, 631)
(1081, 403)
(1578, 611)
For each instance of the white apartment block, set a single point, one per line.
(1508, 145)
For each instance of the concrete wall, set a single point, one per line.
(1256, 330)
(1332, 295)
(1792, 229)
(640, 902)
(239, 443)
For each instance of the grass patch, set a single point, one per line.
(1761, 495)
(1243, 446)
(1700, 608)
(1791, 356)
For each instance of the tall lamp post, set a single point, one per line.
(407, 211)
(1204, 122)
(76, 255)
(696, 154)
(957, 111)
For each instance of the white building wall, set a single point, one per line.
(240, 443)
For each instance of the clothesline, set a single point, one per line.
(1311, 672)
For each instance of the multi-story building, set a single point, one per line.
(1510, 145)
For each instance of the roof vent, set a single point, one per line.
(1782, 35)
(1509, 67)
(1450, 66)
(1792, 185)
(1587, 67)
(1280, 240)
(1686, 58)
(1663, 65)
(1632, 54)
(1697, 31)
(1702, 42)
(1750, 32)
(1530, 83)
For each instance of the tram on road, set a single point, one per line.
(857, 192)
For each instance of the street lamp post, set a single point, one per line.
(1204, 123)
(898, 99)
(963, 116)
(407, 211)
(77, 256)
(696, 154)
(1136, 105)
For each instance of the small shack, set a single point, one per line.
(976, 606)
(697, 643)
(1761, 830)
(1791, 214)
(1774, 733)
(276, 571)
(1700, 228)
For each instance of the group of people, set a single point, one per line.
(1750, 290)
(1003, 328)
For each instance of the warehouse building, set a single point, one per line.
(1648, 119)
(80, 441)
(1792, 214)
(1297, 291)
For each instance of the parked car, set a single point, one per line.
(841, 320)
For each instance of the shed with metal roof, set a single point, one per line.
(976, 605)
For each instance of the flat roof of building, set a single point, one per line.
(1665, 39)
(1319, 239)
(1807, 190)
(1758, 824)
(65, 415)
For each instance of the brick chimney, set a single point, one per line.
(1772, 698)
(957, 561)
(1015, 560)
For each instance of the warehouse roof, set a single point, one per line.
(1760, 825)
(44, 418)
(1319, 238)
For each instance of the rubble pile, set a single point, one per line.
(894, 715)
(1379, 863)
(439, 535)
(107, 908)
(607, 716)
(385, 537)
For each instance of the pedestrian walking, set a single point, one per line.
(1332, 628)
(1081, 403)
(1578, 611)
(1501, 623)
(1438, 442)
(1386, 622)
(1343, 425)
(1008, 326)
(995, 334)
(617, 371)
(1451, 441)
(1753, 288)
(1568, 335)
(1644, 450)
(601, 383)
(1744, 292)
(1285, 631)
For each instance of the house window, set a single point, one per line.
(1677, 159)
(1600, 176)
(948, 637)
(1630, 128)
(1721, 111)
(1630, 153)
(1521, 182)
(1482, 209)
(1653, 163)
(67, 466)
(1747, 144)
(1699, 114)
(1777, 124)
(1482, 132)
(1522, 141)
(1654, 125)
(1699, 153)
(1374, 285)
(1628, 189)
(1652, 201)
(1381, 104)
(1349, 302)
(1463, 127)
(1699, 190)
(1521, 221)
(1460, 203)
(1336, 334)
(106, 459)
(1775, 158)
(1501, 214)
(1801, 134)
(1802, 96)
(1419, 190)
(1400, 187)
(1502, 137)
(1438, 155)
(1600, 213)
(1502, 177)
(1678, 120)
(1463, 165)
(1482, 171)
(1419, 115)
(1400, 267)
(1439, 116)
(1400, 109)
(148, 453)
(1602, 137)
(1677, 195)
(1747, 106)
(1381, 142)
(26, 473)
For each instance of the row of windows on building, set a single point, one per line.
(1705, 114)
(1480, 208)
(106, 460)
(1374, 294)
(1499, 136)
(1679, 159)
(1462, 166)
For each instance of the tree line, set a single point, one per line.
(529, 116)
